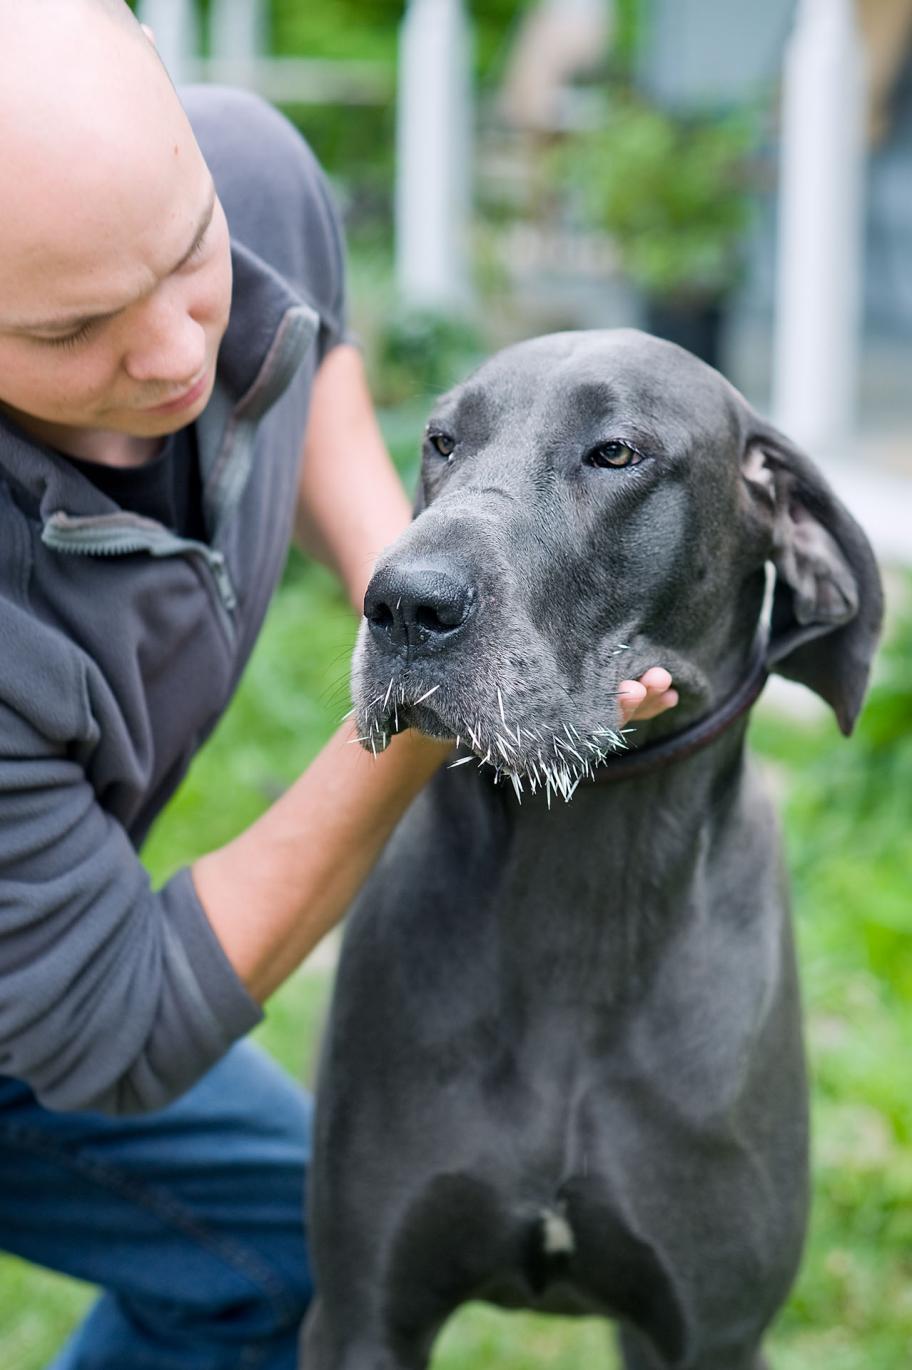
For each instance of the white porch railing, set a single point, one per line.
(820, 248)
(433, 155)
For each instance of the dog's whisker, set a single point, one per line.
(427, 694)
(463, 760)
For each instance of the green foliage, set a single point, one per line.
(354, 29)
(479, 1336)
(421, 352)
(347, 29)
(857, 811)
(355, 145)
(672, 193)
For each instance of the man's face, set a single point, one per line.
(142, 364)
(115, 270)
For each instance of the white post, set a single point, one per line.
(819, 264)
(176, 29)
(433, 146)
(237, 30)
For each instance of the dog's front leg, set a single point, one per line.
(352, 1344)
(639, 1353)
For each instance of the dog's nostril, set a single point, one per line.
(381, 614)
(439, 618)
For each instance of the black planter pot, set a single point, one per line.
(694, 324)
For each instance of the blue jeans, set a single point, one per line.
(191, 1219)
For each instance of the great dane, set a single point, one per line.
(564, 1069)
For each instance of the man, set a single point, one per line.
(176, 390)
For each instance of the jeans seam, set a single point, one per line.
(169, 1211)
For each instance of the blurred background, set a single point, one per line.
(738, 177)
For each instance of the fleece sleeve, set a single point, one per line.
(113, 997)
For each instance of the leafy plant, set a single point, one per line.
(673, 193)
(420, 352)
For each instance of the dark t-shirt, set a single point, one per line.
(167, 489)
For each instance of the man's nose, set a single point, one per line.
(168, 344)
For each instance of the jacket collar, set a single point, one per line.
(269, 332)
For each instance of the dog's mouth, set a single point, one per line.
(532, 756)
(401, 707)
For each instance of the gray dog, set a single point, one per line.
(564, 1066)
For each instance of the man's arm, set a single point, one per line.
(351, 503)
(273, 892)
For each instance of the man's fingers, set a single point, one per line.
(647, 697)
(654, 705)
(657, 680)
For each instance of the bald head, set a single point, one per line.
(90, 130)
(116, 10)
(42, 13)
(103, 189)
(45, 44)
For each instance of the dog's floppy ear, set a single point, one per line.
(828, 605)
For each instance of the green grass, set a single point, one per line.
(847, 808)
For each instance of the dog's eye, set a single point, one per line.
(442, 443)
(613, 454)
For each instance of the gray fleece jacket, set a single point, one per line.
(120, 647)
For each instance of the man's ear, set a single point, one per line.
(828, 604)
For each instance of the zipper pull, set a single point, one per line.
(223, 580)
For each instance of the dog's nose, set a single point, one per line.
(417, 609)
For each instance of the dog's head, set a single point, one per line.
(592, 504)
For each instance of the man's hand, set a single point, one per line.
(647, 697)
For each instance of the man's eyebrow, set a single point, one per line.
(73, 322)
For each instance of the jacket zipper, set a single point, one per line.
(112, 535)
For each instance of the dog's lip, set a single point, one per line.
(416, 714)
